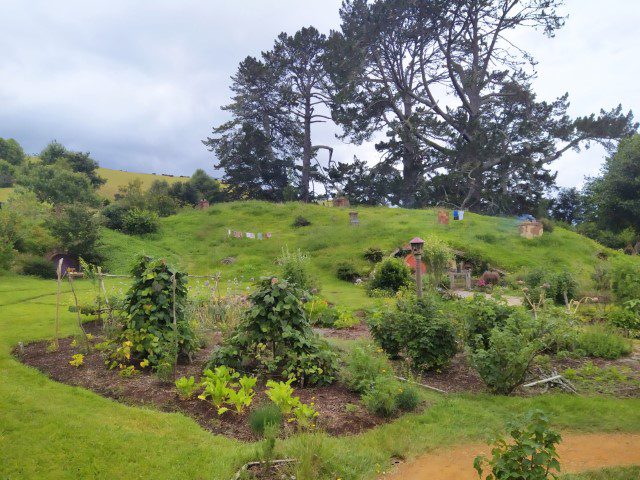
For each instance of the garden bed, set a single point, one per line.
(146, 389)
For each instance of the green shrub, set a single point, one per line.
(563, 287)
(481, 315)
(599, 342)
(380, 399)
(114, 215)
(437, 255)
(295, 268)
(624, 318)
(139, 222)
(503, 364)
(276, 336)
(362, 366)
(408, 398)
(530, 453)
(373, 254)
(346, 319)
(548, 225)
(391, 275)
(264, 417)
(301, 221)
(39, 267)
(347, 271)
(625, 279)
(416, 329)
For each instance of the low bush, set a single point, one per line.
(504, 363)
(373, 254)
(490, 278)
(599, 342)
(295, 268)
(345, 319)
(625, 279)
(563, 287)
(391, 276)
(39, 267)
(140, 222)
(300, 221)
(408, 398)
(347, 271)
(480, 316)
(363, 364)
(418, 330)
(548, 225)
(380, 399)
(530, 453)
(626, 319)
(114, 215)
(264, 417)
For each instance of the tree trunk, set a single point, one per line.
(411, 163)
(307, 151)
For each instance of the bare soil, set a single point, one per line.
(146, 389)
(578, 453)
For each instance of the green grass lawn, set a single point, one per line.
(53, 431)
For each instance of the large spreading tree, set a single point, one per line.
(454, 95)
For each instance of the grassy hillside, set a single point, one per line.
(118, 178)
(197, 241)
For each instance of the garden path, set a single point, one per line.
(578, 453)
(511, 300)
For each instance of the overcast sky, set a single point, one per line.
(140, 83)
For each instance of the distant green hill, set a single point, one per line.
(116, 179)
(197, 241)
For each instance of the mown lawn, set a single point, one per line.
(49, 430)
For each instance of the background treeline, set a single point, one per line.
(439, 85)
(54, 205)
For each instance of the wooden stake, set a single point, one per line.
(57, 327)
(420, 384)
(75, 297)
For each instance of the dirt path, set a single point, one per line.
(578, 453)
(511, 300)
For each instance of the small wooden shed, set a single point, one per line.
(531, 229)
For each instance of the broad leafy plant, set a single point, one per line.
(276, 337)
(530, 454)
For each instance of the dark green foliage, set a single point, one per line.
(347, 271)
(480, 316)
(276, 336)
(560, 287)
(373, 254)
(568, 206)
(76, 230)
(207, 187)
(11, 152)
(416, 329)
(503, 364)
(599, 342)
(530, 453)
(614, 197)
(150, 304)
(114, 214)
(38, 267)
(391, 275)
(139, 222)
(300, 221)
(263, 417)
(547, 225)
(58, 185)
(625, 279)
(79, 162)
(362, 184)
(159, 199)
(7, 174)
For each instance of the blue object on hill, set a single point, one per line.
(527, 218)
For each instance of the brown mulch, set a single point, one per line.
(355, 333)
(146, 389)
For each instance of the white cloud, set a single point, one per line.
(139, 84)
